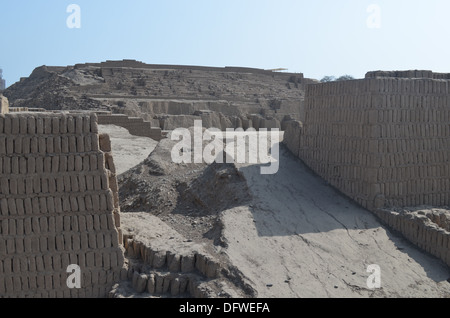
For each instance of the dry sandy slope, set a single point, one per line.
(128, 150)
(304, 239)
(301, 238)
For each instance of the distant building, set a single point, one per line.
(2, 81)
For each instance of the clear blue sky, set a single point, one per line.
(317, 38)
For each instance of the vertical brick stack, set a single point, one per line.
(384, 142)
(56, 207)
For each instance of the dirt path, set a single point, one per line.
(301, 238)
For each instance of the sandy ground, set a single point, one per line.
(301, 238)
(128, 150)
(304, 239)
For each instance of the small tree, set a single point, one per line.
(327, 79)
(345, 78)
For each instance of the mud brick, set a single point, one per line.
(19, 227)
(52, 189)
(67, 223)
(87, 143)
(67, 241)
(13, 186)
(105, 142)
(12, 206)
(104, 182)
(67, 184)
(57, 144)
(86, 163)
(95, 143)
(20, 186)
(81, 204)
(89, 204)
(80, 144)
(63, 125)
(103, 203)
(20, 207)
(90, 263)
(51, 205)
(2, 145)
(89, 182)
(7, 165)
(51, 228)
(82, 223)
(72, 144)
(101, 161)
(97, 183)
(28, 226)
(4, 210)
(65, 260)
(84, 241)
(15, 165)
(19, 245)
(48, 262)
(42, 145)
(93, 162)
(97, 223)
(7, 266)
(116, 219)
(12, 226)
(94, 123)
(23, 165)
(79, 125)
(15, 125)
(114, 260)
(43, 205)
(78, 163)
(26, 145)
(76, 242)
(18, 144)
(43, 245)
(74, 183)
(28, 242)
(44, 185)
(110, 221)
(71, 163)
(7, 125)
(4, 184)
(82, 183)
(99, 264)
(59, 240)
(110, 162)
(107, 240)
(10, 145)
(50, 145)
(28, 203)
(60, 186)
(95, 202)
(63, 163)
(39, 165)
(59, 222)
(70, 125)
(89, 223)
(10, 245)
(65, 144)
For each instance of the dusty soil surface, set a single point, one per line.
(289, 234)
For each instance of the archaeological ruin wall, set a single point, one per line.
(58, 207)
(384, 142)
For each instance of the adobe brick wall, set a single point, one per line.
(56, 207)
(135, 125)
(385, 143)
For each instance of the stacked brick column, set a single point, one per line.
(56, 207)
